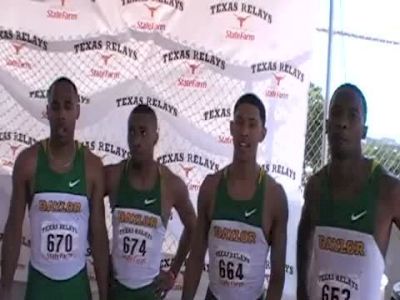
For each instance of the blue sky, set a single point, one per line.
(373, 66)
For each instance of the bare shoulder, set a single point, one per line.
(275, 196)
(26, 161)
(207, 192)
(172, 180)
(273, 188)
(113, 170)
(210, 183)
(390, 188)
(92, 161)
(312, 190)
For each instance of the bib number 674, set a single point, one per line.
(334, 293)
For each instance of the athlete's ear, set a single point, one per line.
(231, 127)
(365, 131)
(157, 137)
(78, 111)
(264, 133)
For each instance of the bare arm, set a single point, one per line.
(98, 231)
(305, 239)
(23, 170)
(187, 215)
(199, 243)
(278, 243)
(396, 203)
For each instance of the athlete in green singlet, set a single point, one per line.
(349, 208)
(242, 212)
(62, 183)
(142, 193)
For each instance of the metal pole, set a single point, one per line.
(328, 84)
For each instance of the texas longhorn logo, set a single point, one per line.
(152, 9)
(187, 170)
(18, 47)
(241, 19)
(106, 58)
(193, 68)
(14, 148)
(278, 78)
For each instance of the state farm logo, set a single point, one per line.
(16, 59)
(242, 17)
(191, 76)
(106, 68)
(193, 62)
(62, 11)
(149, 19)
(277, 89)
(224, 139)
(280, 71)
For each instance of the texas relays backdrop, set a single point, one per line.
(189, 60)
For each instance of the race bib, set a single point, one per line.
(59, 241)
(134, 243)
(232, 267)
(332, 286)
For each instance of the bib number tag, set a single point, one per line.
(59, 241)
(133, 244)
(232, 267)
(338, 287)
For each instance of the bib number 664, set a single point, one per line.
(334, 293)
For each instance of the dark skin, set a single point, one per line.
(345, 129)
(247, 131)
(143, 174)
(63, 111)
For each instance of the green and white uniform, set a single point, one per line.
(347, 263)
(237, 246)
(138, 234)
(59, 216)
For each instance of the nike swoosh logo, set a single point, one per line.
(249, 213)
(74, 183)
(149, 201)
(358, 216)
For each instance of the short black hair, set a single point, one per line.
(144, 109)
(356, 90)
(252, 99)
(60, 80)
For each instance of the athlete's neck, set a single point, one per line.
(345, 170)
(61, 150)
(243, 170)
(143, 168)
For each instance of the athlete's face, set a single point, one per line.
(142, 136)
(345, 126)
(62, 112)
(247, 131)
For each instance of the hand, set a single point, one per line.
(164, 282)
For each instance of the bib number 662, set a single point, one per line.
(334, 293)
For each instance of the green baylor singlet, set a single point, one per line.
(138, 235)
(237, 246)
(59, 216)
(347, 263)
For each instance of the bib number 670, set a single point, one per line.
(334, 293)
